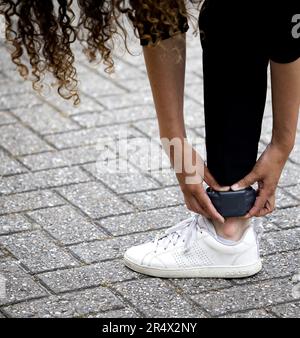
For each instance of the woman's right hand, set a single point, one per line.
(191, 179)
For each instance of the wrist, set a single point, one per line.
(283, 148)
(174, 148)
(173, 134)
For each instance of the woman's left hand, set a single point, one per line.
(266, 173)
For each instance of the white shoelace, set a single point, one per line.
(186, 230)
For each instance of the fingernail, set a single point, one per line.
(235, 187)
(224, 188)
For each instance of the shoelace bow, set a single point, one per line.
(186, 229)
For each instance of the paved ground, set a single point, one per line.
(64, 224)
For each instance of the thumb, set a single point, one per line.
(211, 181)
(245, 182)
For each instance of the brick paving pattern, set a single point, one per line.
(64, 224)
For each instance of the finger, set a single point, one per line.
(268, 208)
(207, 206)
(247, 216)
(192, 204)
(259, 204)
(245, 182)
(187, 203)
(265, 202)
(211, 181)
(197, 207)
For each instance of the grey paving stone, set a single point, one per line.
(127, 100)
(42, 179)
(149, 127)
(14, 223)
(5, 117)
(294, 191)
(288, 310)
(145, 154)
(280, 241)
(268, 225)
(45, 119)
(295, 155)
(261, 148)
(9, 87)
(20, 286)
(20, 141)
(10, 74)
(283, 200)
(156, 198)
(192, 286)
(126, 115)
(91, 136)
(197, 139)
(121, 180)
(195, 63)
(69, 305)
(136, 61)
(17, 101)
(90, 85)
(95, 200)
(251, 314)
(28, 201)
(286, 218)
(194, 77)
(245, 297)
(195, 92)
(268, 108)
(155, 299)
(67, 108)
(290, 175)
(109, 248)
(67, 225)
(144, 221)
(9, 166)
(132, 84)
(166, 176)
(36, 251)
(68, 157)
(275, 266)
(87, 276)
(267, 126)
(200, 131)
(123, 72)
(194, 116)
(122, 313)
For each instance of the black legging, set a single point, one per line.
(238, 40)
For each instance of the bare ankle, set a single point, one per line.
(232, 229)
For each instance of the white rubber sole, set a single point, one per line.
(240, 271)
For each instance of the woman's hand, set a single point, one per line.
(266, 173)
(191, 172)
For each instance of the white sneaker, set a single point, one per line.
(190, 249)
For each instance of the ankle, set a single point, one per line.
(232, 229)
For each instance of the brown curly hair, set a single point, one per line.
(41, 33)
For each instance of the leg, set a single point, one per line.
(235, 83)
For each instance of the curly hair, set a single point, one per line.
(41, 33)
